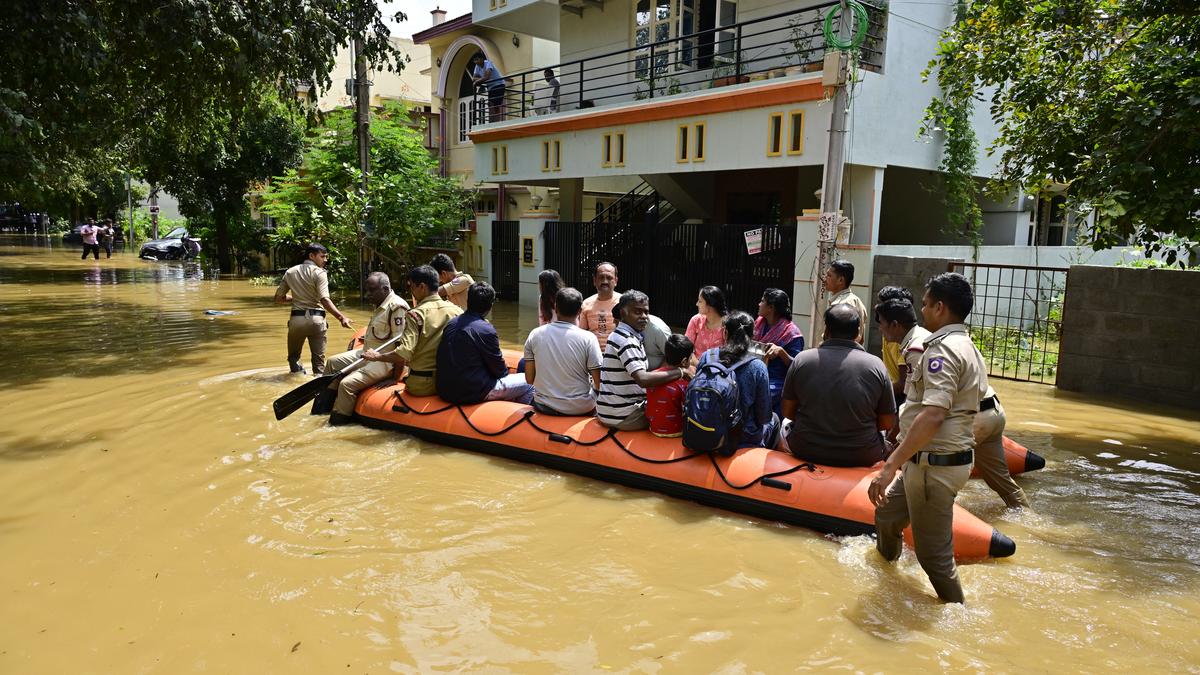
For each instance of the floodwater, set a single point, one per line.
(154, 517)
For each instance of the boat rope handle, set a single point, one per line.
(404, 407)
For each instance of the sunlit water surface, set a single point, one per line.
(155, 517)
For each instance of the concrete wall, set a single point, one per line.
(904, 271)
(1132, 332)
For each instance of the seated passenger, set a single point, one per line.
(654, 340)
(598, 314)
(664, 403)
(453, 284)
(775, 329)
(705, 329)
(624, 377)
(470, 365)
(760, 426)
(839, 398)
(562, 361)
(423, 328)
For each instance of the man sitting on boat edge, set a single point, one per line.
(470, 365)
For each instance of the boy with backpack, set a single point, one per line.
(664, 403)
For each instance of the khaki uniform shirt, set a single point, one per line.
(950, 374)
(456, 289)
(308, 283)
(386, 323)
(912, 348)
(422, 334)
(847, 297)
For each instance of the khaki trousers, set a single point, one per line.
(312, 328)
(989, 457)
(924, 496)
(364, 376)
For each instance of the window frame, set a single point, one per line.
(699, 141)
(793, 148)
(682, 144)
(775, 134)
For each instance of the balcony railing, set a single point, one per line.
(772, 46)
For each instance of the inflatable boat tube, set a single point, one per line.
(755, 481)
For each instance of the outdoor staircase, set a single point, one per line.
(641, 205)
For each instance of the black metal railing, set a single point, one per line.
(772, 46)
(1017, 319)
(642, 204)
(671, 262)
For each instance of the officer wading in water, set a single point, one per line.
(309, 286)
(936, 439)
(387, 322)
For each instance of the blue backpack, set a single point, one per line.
(712, 418)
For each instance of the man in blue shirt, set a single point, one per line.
(485, 73)
(470, 365)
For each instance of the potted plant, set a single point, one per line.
(803, 38)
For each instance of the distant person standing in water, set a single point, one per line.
(309, 286)
(89, 232)
(107, 234)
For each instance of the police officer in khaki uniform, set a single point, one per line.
(989, 451)
(838, 278)
(936, 439)
(423, 327)
(897, 322)
(454, 284)
(309, 286)
(387, 322)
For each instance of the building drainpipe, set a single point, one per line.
(501, 201)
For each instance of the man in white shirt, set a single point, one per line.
(562, 361)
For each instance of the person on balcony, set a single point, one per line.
(597, 312)
(486, 75)
(552, 83)
(839, 398)
(838, 278)
(704, 329)
(783, 339)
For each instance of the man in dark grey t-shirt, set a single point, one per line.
(839, 397)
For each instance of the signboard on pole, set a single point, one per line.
(754, 239)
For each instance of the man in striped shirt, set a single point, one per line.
(624, 377)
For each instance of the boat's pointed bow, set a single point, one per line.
(1001, 546)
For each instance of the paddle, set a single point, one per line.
(297, 398)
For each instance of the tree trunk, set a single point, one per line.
(224, 246)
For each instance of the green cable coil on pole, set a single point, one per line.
(860, 32)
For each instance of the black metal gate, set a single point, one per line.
(1017, 319)
(506, 259)
(670, 262)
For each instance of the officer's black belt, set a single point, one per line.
(302, 312)
(952, 459)
(988, 403)
(421, 373)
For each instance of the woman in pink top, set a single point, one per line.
(704, 330)
(549, 284)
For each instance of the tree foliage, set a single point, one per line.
(1103, 95)
(407, 203)
(85, 81)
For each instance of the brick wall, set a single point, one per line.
(1132, 332)
(911, 273)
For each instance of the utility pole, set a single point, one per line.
(129, 198)
(835, 165)
(362, 117)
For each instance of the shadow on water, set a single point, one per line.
(49, 338)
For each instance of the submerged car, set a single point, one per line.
(176, 245)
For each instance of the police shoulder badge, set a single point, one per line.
(935, 364)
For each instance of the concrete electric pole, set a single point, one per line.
(362, 120)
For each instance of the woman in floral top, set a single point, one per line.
(704, 330)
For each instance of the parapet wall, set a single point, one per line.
(1132, 332)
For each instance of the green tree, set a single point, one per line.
(1103, 95)
(407, 204)
(211, 171)
(85, 80)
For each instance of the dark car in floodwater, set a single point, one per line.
(176, 245)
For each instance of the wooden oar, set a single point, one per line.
(297, 398)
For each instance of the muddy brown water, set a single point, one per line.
(154, 517)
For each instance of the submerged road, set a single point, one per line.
(154, 517)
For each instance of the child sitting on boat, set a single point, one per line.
(664, 403)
